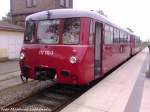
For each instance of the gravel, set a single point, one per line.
(18, 92)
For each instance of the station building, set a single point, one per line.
(11, 39)
(11, 36)
(22, 8)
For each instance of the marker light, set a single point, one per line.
(22, 55)
(73, 60)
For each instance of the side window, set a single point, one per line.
(125, 38)
(91, 35)
(108, 34)
(116, 35)
(111, 34)
(128, 38)
(121, 36)
(29, 32)
(137, 40)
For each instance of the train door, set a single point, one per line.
(97, 57)
(132, 42)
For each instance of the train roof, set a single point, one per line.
(68, 13)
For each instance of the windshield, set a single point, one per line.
(71, 32)
(29, 32)
(48, 31)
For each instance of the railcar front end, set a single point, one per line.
(55, 49)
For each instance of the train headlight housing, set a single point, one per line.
(73, 60)
(22, 56)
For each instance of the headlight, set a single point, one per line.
(22, 55)
(73, 60)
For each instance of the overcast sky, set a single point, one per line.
(4, 7)
(126, 13)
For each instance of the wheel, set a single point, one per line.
(24, 78)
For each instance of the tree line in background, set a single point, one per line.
(7, 18)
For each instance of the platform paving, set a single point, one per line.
(9, 74)
(116, 93)
(9, 66)
(145, 103)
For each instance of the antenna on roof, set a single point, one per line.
(101, 12)
(129, 29)
(48, 15)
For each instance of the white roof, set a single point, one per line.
(68, 13)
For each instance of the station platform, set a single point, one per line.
(127, 89)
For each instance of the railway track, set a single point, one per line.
(8, 75)
(52, 99)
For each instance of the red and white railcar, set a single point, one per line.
(71, 46)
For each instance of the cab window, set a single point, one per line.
(71, 31)
(29, 32)
(48, 31)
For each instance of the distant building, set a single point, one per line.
(22, 8)
(11, 39)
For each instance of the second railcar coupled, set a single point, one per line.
(73, 47)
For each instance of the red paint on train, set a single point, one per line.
(73, 47)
